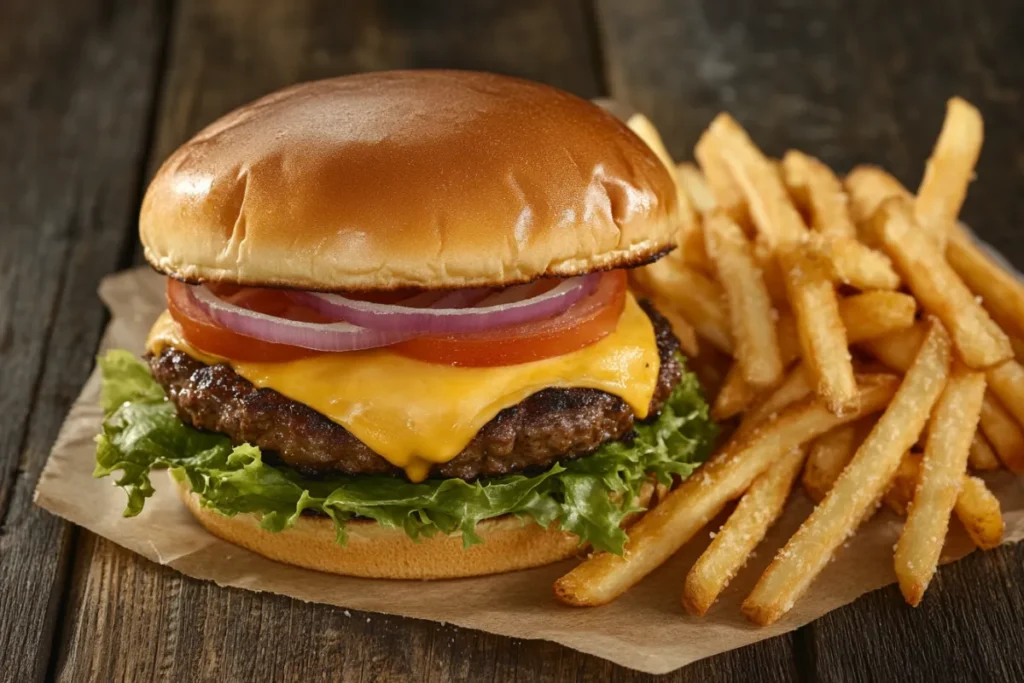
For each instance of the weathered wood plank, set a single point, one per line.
(852, 83)
(76, 87)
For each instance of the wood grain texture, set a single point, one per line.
(73, 113)
(854, 83)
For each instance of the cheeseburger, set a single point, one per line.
(399, 340)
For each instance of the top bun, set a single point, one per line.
(408, 179)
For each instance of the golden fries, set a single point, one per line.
(771, 272)
(828, 456)
(700, 299)
(727, 194)
(822, 336)
(981, 457)
(819, 194)
(949, 170)
(751, 314)
(979, 341)
(646, 131)
(1002, 293)
(681, 327)
(858, 265)
(875, 314)
(696, 187)
(980, 513)
(699, 498)
(867, 187)
(859, 487)
(734, 396)
(796, 387)
(950, 432)
(746, 527)
(1007, 382)
(1003, 433)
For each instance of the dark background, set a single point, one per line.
(95, 93)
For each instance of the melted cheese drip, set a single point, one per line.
(415, 414)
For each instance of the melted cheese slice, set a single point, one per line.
(415, 414)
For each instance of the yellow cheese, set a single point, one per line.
(415, 414)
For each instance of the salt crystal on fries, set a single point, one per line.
(818, 192)
(858, 488)
(949, 170)
(699, 498)
(858, 265)
(936, 285)
(950, 431)
(746, 527)
(751, 315)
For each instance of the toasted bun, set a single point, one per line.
(423, 179)
(374, 551)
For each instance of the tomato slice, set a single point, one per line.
(585, 323)
(205, 334)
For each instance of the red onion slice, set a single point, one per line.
(455, 312)
(339, 336)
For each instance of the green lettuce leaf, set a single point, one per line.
(588, 496)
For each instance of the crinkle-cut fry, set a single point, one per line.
(1003, 433)
(823, 343)
(943, 466)
(746, 527)
(1007, 382)
(751, 314)
(949, 170)
(829, 455)
(867, 187)
(976, 506)
(858, 265)
(681, 327)
(1002, 293)
(699, 498)
(979, 511)
(699, 298)
(982, 457)
(979, 341)
(771, 209)
(696, 187)
(819, 194)
(859, 487)
(795, 387)
(734, 396)
(727, 193)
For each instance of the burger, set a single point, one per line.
(399, 339)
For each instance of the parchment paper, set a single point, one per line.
(646, 629)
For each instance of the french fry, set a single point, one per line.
(823, 342)
(795, 387)
(1018, 348)
(746, 527)
(949, 170)
(727, 193)
(771, 210)
(982, 457)
(871, 315)
(691, 251)
(858, 488)
(646, 131)
(950, 432)
(700, 299)
(938, 288)
(1003, 433)
(980, 513)
(681, 327)
(867, 187)
(900, 493)
(771, 272)
(897, 350)
(734, 396)
(688, 508)
(1007, 382)
(829, 455)
(697, 189)
(858, 265)
(1002, 293)
(752, 317)
(819, 194)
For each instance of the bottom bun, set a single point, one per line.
(374, 551)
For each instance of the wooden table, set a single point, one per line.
(95, 93)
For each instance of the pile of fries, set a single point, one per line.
(857, 339)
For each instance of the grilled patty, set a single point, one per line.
(550, 425)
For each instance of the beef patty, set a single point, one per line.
(550, 425)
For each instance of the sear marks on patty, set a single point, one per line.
(551, 425)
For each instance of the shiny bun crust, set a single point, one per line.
(423, 179)
(373, 551)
